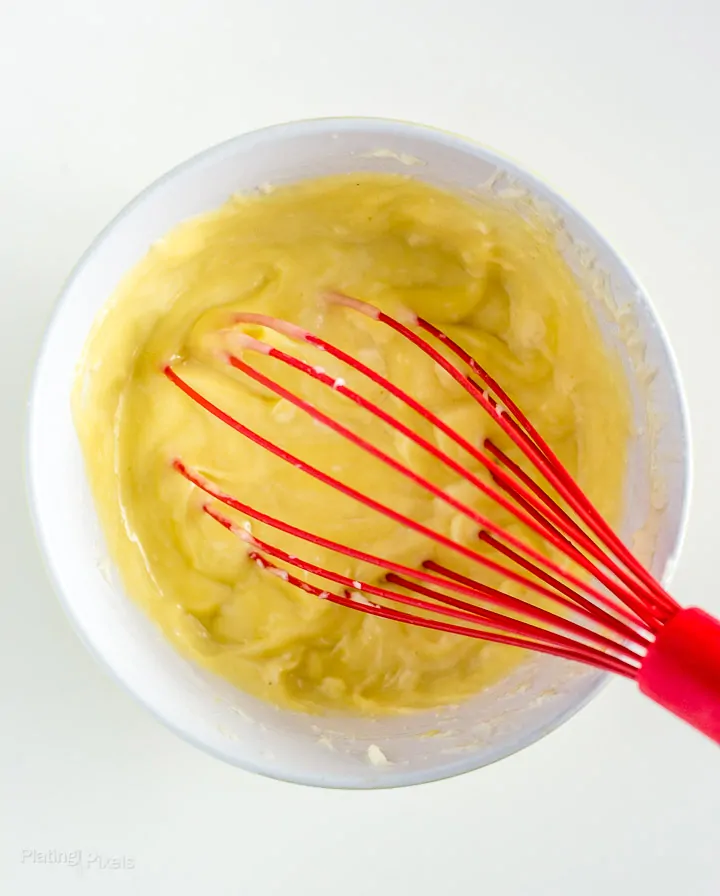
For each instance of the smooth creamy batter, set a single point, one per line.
(493, 280)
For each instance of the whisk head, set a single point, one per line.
(604, 609)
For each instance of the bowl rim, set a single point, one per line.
(595, 681)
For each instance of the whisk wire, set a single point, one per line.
(639, 606)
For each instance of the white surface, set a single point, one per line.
(616, 105)
(331, 751)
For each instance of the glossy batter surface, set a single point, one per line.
(494, 281)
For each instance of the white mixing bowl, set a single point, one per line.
(334, 751)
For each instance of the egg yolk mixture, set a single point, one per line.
(493, 279)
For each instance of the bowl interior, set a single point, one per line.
(335, 751)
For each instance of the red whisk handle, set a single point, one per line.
(682, 670)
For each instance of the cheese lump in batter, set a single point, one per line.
(492, 278)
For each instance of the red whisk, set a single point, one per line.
(621, 620)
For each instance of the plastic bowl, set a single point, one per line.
(334, 751)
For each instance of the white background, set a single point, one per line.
(617, 105)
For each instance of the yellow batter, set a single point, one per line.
(494, 281)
